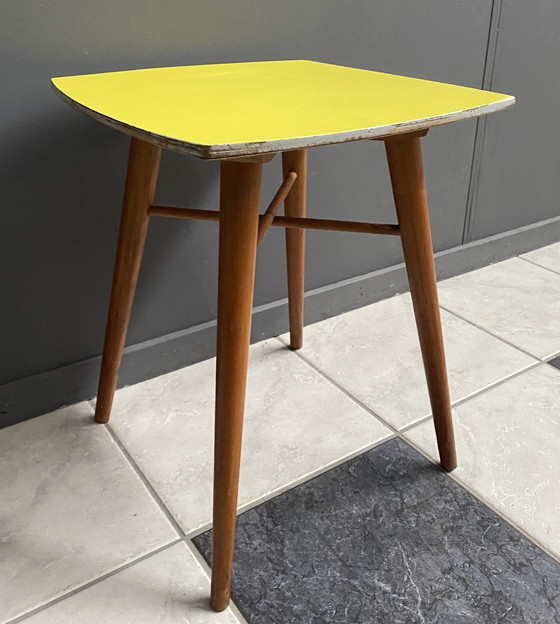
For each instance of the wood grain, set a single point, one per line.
(334, 225)
(267, 218)
(295, 206)
(404, 156)
(143, 166)
(239, 210)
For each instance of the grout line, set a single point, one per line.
(551, 356)
(497, 383)
(427, 417)
(208, 571)
(420, 421)
(486, 502)
(487, 331)
(159, 503)
(202, 529)
(395, 433)
(95, 581)
(555, 367)
(343, 390)
(316, 473)
(296, 482)
(400, 434)
(308, 477)
(473, 395)
(163, 508)
(247, 506)
(539, 265)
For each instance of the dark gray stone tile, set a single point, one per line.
(387, 538)
(555, 362)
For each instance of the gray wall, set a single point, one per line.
(62, 173)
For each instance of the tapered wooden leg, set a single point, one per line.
(239, 219)
(294, 206)
(405, 164)
(141, 178)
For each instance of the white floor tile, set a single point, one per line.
(295, 424)
(374, 353)
(168, 588)
(71, 509)
(508, 450)
(515, 300)
(548, 257)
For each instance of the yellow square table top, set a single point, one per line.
(242, 109)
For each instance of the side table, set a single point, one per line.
(242, 114)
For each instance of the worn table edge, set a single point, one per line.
(236, 150)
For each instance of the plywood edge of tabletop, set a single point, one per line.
(236, 150)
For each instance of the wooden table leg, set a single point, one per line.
(294, 206)
(141, 179)
(404, 156)
(239, 219)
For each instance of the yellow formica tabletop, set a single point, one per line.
(241, 109)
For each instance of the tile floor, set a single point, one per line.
(344, 515)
